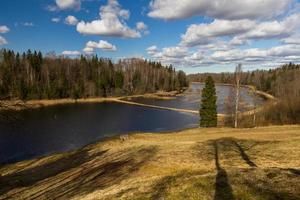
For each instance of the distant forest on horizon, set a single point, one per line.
(31, 75)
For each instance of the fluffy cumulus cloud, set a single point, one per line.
(152, 50)
(242, 30)
(213, 54)
(197, 34)
(4, 29)
(2, 41)
(174, 52)
(273, 29)
(71, 20)
(103, 45)
(68, 4)
(111, 23)
(222, 9)
(88, 50)
(169, 55)
(71, 53)
(141, 26)
(228, 40)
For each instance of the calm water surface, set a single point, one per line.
(192, 97)
(61, 128)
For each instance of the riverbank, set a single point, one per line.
(162, 95)
(32, 104)
(216, 163)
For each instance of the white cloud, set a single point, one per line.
(104, 45)
(71, 53)
(88, 50)
(196, 56)
(71, 20)
(28, 24)
(141, 26)
(294, 39)
(52, 8)
(222, 9)
(241, 30)
(219, 42)
(220, 56)
(2, 41)
(175, 52)
(152, 50)
(285, 50)
(170, 55)
(238, 41)
(273, 29)
(68, 4)
(111, 23)
(198, 34)
(275, 54)
(4, 29)
(55, 19)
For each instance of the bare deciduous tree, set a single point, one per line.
(238, 72)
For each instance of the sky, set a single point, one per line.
(193, 35)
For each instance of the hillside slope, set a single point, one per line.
(218, 163)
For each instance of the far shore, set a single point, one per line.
(17, 105)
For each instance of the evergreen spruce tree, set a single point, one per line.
(208, 110)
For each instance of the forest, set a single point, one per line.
(31, 75)
(282, 82)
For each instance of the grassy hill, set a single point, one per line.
(217, 163)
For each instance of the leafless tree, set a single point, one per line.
(238, 72)
(254, 105)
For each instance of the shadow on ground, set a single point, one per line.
(223, 190)
(76, 175)
(228, 181)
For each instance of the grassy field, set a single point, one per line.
(218, 163)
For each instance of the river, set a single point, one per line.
(38, 132)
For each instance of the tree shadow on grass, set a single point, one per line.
(239, 146)
(243, 154)
(29, 177)
(159, 190)
(275, 184)
(223, 190)
(161, 187)
(87, 177)
(264, 183)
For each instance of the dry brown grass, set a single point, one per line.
(217, 163)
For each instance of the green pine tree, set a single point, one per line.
(208, 110)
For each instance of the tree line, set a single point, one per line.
(282, 82)
(30, 75)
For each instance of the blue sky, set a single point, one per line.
(193, 35)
